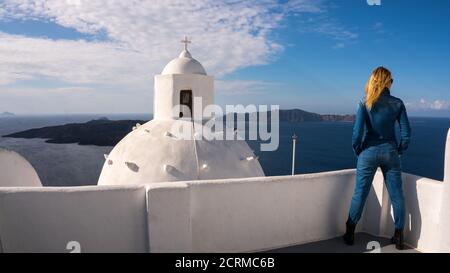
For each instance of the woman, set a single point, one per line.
(375, 144)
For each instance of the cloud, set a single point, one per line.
(138, 37)
(73, 99)
(316, 6)
(142, 35)
(77, 62)
(437, 105)
(326, 26)
(335, 31)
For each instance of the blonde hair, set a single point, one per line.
(380, 79)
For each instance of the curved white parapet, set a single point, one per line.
(16, 171)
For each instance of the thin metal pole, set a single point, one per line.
(294, 140)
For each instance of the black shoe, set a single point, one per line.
(398, 239)
(349, 236)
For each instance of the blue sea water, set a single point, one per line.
(326, 146)
(58, 164)
(321, 146)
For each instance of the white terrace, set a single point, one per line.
(232, 215)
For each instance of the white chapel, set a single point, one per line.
(152, 152)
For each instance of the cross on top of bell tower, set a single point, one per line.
(185, 41)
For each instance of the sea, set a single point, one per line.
(321, 146)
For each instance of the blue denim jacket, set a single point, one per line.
(377, 126)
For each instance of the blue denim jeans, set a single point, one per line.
(387, 158)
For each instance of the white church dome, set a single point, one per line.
(154, 153)
(16, 171)
(184, 64)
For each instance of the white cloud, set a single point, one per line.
(438, 105)
(327, 26)
(77, 62)
(142, 36)
(336, 31)
(73, 99)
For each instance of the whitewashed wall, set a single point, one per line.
(167, 93)
(272, 212)
(251, 214)
(101, 219)
(213, 216)
(423, 217)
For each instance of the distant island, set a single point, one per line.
(105, 132)
(7, 114)
(99, 132)
(297, 115)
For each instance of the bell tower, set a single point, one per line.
(181, 83)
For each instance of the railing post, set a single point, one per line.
(294, 140)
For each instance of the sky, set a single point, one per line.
(100, 56)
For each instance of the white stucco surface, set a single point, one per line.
(46, 219)
(233, 215)
(167, 94)
(16, 171)
(184, 64)
(254, 214)
(249, 215)
(154, 153)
